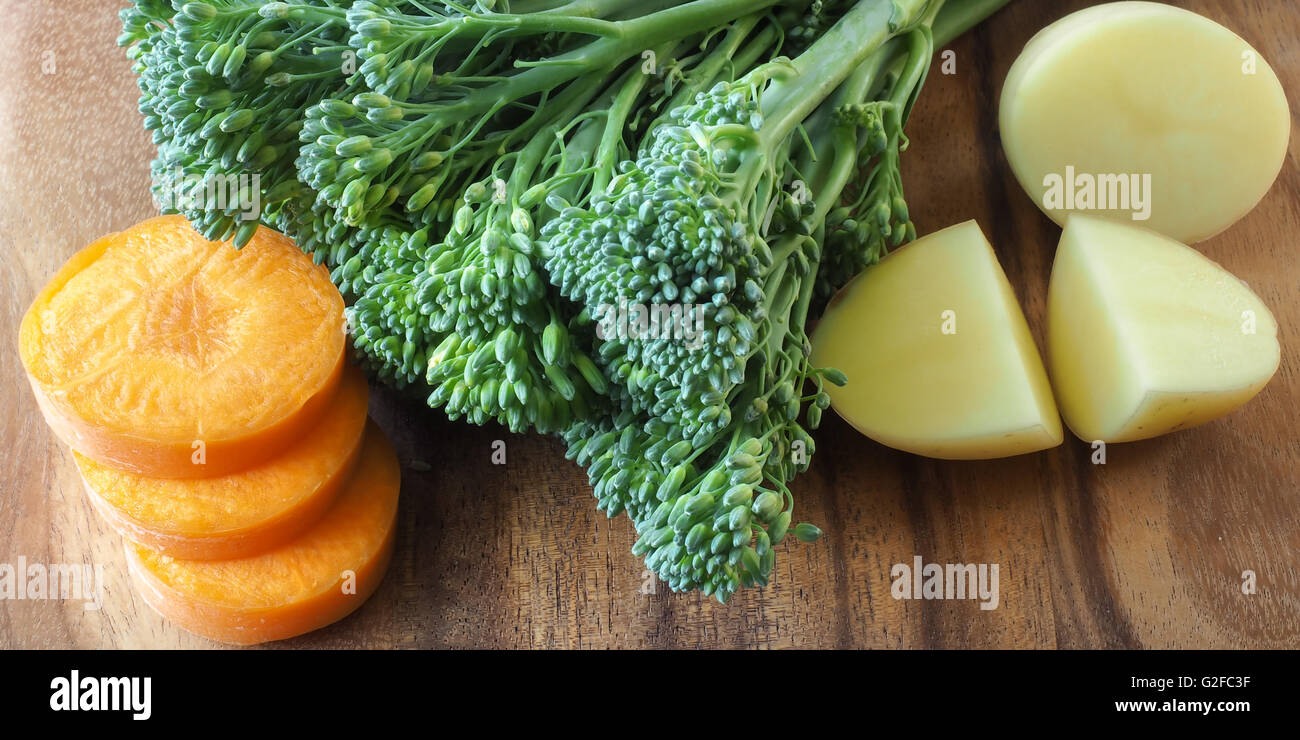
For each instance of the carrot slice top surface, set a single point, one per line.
(158, 333)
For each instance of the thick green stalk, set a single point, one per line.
(631, 37)
(958, 16)
(629, 89)
(589, 8)
(530, 157)
(818, 71)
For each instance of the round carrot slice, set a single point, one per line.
(305, 584)
(244, 513)
(157, 351)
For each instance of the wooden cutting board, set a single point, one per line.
(1147, 550)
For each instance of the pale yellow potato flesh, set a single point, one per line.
(1147, 336)
(963, 385)
(1137, 89)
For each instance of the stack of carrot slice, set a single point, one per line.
(217, 426)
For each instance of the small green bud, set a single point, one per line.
(739, 518)
(715, 481)
(700, 504)
(390, 114)
(274, 10)
(217, 62)
(426, 161)
(264, 157)
(375, 28)
(779, 527)
(806, 532)
(749, 475)
(671, 483)
(506, 343)
(355, 192)
(738, 495)
(533, 196)
(213, 125)
(554, 343)
(370, 100)
(237, 120)
(420, 198)
(259, 64)
(696, 536)
(375, 161)
(199, 11)
(721, 543)
(521, 222)
(214, 100)
(767, 506)
(464, 218)
(676, 453)
(244, 233)
(423, 75)
(262, 40)
(374, 194)
(337, 108)
(354, 146)
(590, 373)
(477, 193)
(740, 459)
(234, 62)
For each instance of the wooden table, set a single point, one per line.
(1147, 550)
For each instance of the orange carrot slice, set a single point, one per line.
(244, 513)
(314, 580)
(157, 351)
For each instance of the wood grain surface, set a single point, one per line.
(1147, 550)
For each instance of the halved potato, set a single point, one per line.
(939, 359)
(1147, 336)
(1144, 90)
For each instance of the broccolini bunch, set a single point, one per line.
(483, 179)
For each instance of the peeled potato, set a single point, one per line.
(939, 359)
(1147, 336)
(1147, 90)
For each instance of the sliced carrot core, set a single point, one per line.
(157, 351)
(314, 580)
(243, 513)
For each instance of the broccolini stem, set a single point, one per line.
(833, 57)
(645, 32)
(629, 90)
(958, 16)
(706, 72)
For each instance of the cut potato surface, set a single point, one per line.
(243, 513)
(1137, 89)
(305, 584)
(939, 359)
(159, 352)
(1147, 336)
